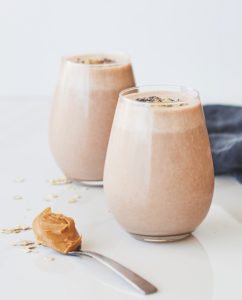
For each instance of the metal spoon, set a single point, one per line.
(132, 278)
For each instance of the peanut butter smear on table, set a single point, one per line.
(56, 231)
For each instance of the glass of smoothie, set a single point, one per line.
(82, 112)
(158, 176)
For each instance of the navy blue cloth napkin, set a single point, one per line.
(224, 125)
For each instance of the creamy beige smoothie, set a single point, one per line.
(159, 173)
(83, 110)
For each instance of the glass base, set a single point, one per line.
(91, 183)
(98, 183)
(160, 239)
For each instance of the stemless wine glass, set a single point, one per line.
(158, 176)
(83, 110)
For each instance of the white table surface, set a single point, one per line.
(206, 266)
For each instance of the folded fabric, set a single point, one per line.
(224, 125)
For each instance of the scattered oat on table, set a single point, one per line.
(71, 187)
(19, 179)
(26, 245)
(59, 181)
(50, 197)
(49, 258)
(18, 197)
(26, 250)
(16, 229)
(74, 198)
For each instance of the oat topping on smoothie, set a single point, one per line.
(162, 101)
(94, 60)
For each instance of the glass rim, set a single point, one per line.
(158, 87)
(124, 59)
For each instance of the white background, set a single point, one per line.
(191, 42)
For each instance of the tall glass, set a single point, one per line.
(158, 176)
(83, 109)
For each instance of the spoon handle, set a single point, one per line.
(132, 278)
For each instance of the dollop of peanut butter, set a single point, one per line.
(56, 231)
